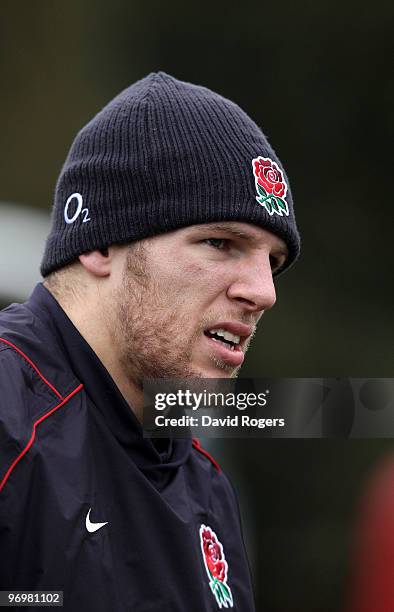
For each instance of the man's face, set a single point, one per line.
(187, 302)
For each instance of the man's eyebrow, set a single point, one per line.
(231, 229)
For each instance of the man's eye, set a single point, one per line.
(217, 243)
(275, 263)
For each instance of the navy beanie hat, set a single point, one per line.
(166, 154)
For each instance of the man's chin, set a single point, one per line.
(216, 369)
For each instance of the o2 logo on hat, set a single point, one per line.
(79, 209)
(270, 186)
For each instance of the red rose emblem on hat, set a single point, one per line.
(216, 566)
(270, 185)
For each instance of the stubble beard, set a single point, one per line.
(149, 327)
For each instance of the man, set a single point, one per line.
(172, 213)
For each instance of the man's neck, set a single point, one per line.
(94, 330)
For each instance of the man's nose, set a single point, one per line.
(254, 286)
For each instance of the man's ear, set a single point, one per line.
(97, 263)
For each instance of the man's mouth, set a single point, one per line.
(221, 335)
(228, 341)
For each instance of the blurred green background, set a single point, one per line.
(315, 77)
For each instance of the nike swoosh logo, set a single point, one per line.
(92, 527)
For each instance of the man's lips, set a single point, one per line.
(234, 327)
(231, 354)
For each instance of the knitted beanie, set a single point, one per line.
(162, 155)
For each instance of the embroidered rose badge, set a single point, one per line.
(270, 186)
(216, 566)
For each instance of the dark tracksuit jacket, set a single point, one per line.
(72, 456)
